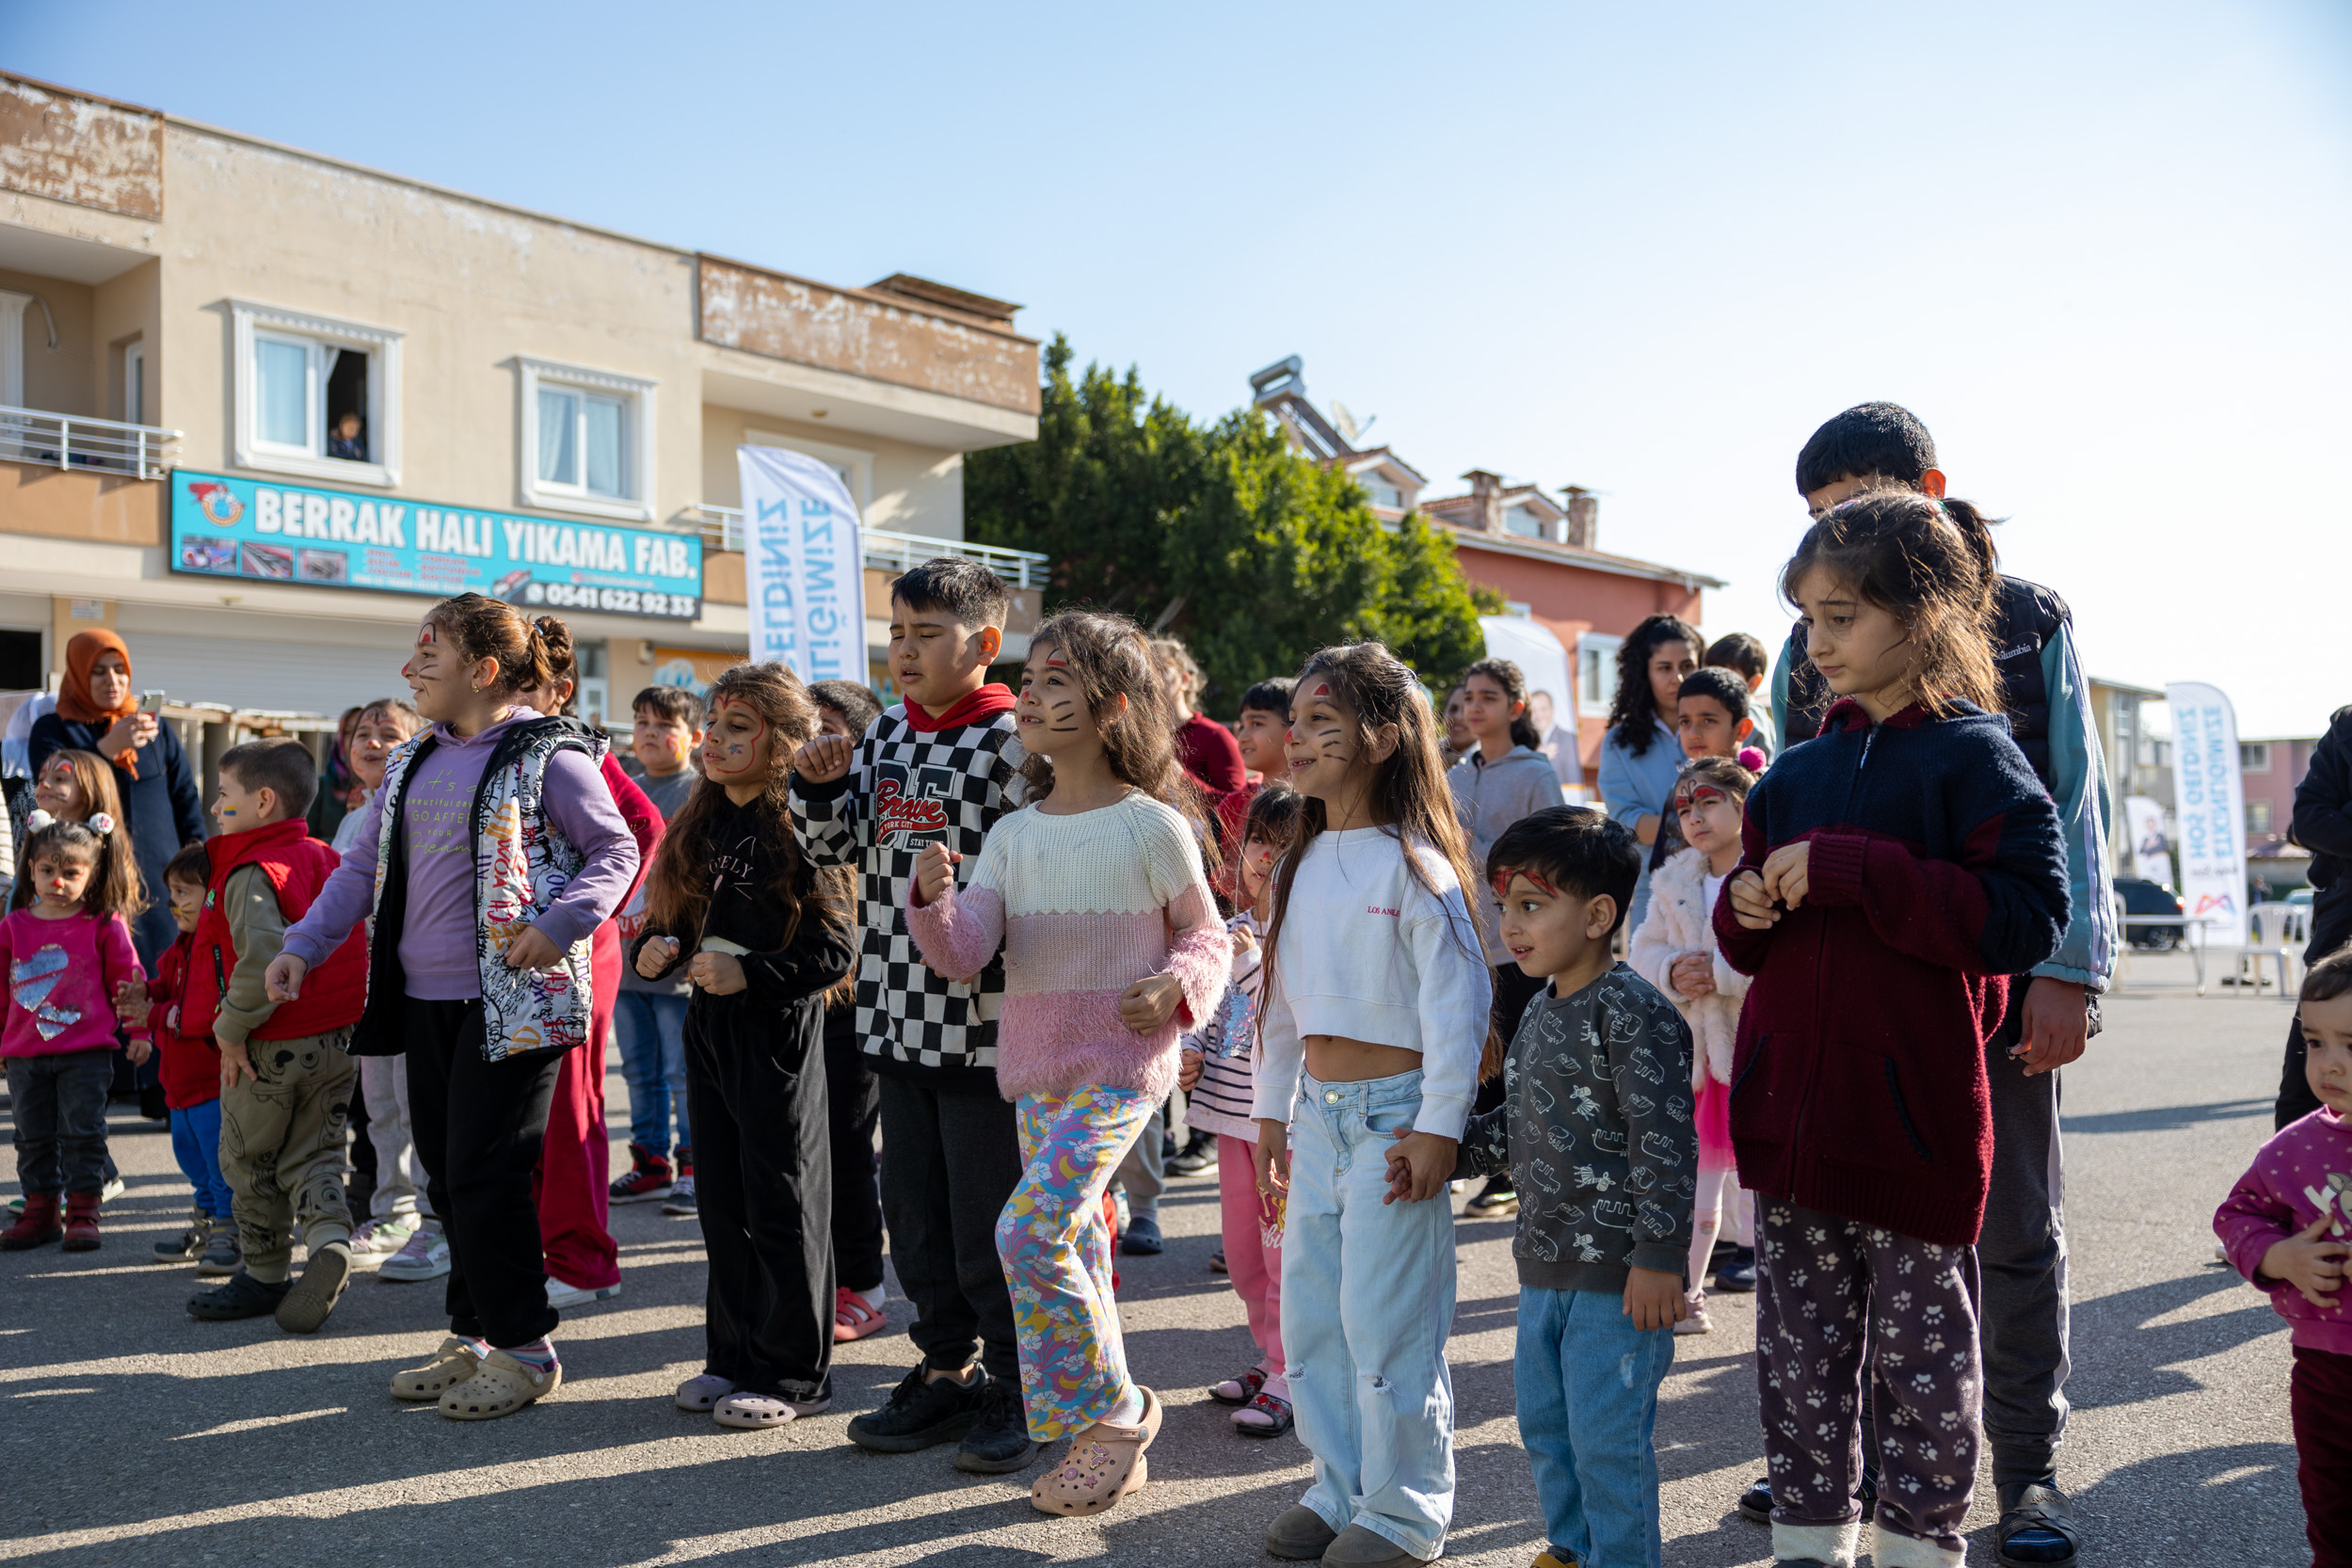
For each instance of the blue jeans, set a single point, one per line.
(1587, 1383)
(196, 1144)
(1368, 1298)
(652, 1031)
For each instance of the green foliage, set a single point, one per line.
(1220, 534)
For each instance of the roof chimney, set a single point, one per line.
(1584, 518)
(1486, 490)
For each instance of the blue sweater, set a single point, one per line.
(1937, 869)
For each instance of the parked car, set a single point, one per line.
(2143, 897)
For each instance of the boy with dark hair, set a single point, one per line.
(1712, 717)
(2053, 1011)
(286, 1071)
(941, 767)
(1597, 1129)
(1744, 655)
(664, 732)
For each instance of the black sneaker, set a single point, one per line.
(1756, 1502)
(1199, 1157)
(921, 1411)
(243, 1297)
(1737, 1273)
(1142, 1238)
(999, 1441)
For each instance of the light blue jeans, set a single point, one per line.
(1587, 1383)
(1368, 1298)
(652, 1033)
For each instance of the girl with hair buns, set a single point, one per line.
(491, 854)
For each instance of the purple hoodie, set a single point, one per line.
(437, 946)
(2302, 1173)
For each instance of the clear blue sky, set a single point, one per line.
(2101, 248)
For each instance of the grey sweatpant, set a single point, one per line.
(2020, 1257)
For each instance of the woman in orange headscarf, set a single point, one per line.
(98, 710)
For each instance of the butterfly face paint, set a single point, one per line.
(1502, 881)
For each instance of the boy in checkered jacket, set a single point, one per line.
(940, 768)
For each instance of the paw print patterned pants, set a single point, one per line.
(1819, 1280)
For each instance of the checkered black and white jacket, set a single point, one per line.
(907, 790)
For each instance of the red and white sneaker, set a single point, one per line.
(650, 1176)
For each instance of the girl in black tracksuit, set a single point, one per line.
(763, 935)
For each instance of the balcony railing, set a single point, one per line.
(74, 441)
(723, 529)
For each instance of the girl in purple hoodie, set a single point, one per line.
(2287, 1228)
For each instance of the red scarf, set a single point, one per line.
(985, 703)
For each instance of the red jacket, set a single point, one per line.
(189, 1064)
(334, 993)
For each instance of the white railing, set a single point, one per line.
(71, 440)
(723, 529)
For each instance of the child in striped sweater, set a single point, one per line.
(1112, 944)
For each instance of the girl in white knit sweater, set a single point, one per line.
(1674, 951)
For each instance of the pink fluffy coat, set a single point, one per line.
(1680, 921)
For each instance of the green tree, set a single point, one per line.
(1222, 534)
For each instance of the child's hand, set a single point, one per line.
(130, 1003)
(171, 1018)
(234, 1062)
(934, 874)
(139, 1050)
(1419, 1166)
(1653, 1299)
(719, 973)
(1271, 1161)
(657, 955)
(1188, 1069)
(2310, 1265)
(284, 977)
(1693, 975)
(1752, 906)
(1150, 1002)
(1243, 940)
(533, 949)
(822, 760)
(1784, 872)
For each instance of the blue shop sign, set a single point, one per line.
(230, 527)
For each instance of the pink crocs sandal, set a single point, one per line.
(753, 1412)
(1105, 1464)
(702, 1392)
(853, 1319)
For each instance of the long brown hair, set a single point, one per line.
(94, 776)
(1109, 659)
(1904, 552)
(677, 891)
(115, 886)
(492, 629)
(1408, 796)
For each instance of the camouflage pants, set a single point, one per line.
(282, 1133)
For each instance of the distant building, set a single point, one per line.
(1541, 555)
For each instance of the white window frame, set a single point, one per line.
(855, 465)
(2253, 757)
(636, 395)
(12, 307)
(1604, 647)
(134, 381)
(381, 345)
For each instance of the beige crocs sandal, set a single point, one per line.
(703, 1391)
(499, 1387)
(455, 1362)
(1105, 1464)
(752, 1412)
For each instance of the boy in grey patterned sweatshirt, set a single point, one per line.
(1597, 1128)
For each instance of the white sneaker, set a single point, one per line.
(383, 1237)
(566, 1298)
(111, 1191)
(425, 1256)
(1696, 1324)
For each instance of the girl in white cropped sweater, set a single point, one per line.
(1378, 988)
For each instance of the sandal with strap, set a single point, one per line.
(1105, 1464)
(702, 1392)
(2042, 1515)
(756, 1412)
(499, 1387)
(1246, 1388)
(456, 1361)
(1274, 1407)
(853, 1319)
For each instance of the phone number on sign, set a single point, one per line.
(620, 601)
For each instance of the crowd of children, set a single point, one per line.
(990, 933)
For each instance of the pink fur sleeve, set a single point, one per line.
(1200, 954)
(959, 933)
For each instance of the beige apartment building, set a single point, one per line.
(257, 405)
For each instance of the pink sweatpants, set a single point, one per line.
(1255, 1267)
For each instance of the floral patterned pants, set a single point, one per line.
(1820, 1280)
(1057, 1255)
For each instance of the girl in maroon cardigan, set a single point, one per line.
(1895, 869)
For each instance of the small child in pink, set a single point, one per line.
(1219, 1080)
(66, 947)
(2287, 1228)
(1675, 950)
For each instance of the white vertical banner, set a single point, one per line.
(2209, 804)
(803, 565)
(2152, 858)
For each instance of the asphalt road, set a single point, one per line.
(136, 1435)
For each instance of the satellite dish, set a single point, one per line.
(1344, 423)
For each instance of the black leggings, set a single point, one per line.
(854, 1096)
(478, 1128)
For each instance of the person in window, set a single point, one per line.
(346, 442)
